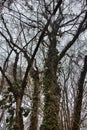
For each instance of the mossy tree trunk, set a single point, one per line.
(51, 87)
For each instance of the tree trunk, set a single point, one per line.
(19, 118)
(35, 101)
(78, 101)
(51, 89)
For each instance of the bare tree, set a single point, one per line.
(55, 26)
(78, 101)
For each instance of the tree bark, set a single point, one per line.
(78, 102)
(19, 118)
(51, 89)
(35, 101)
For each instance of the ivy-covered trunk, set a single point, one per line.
(51, 89)
(35, 101)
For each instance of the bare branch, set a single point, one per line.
(78, 32)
